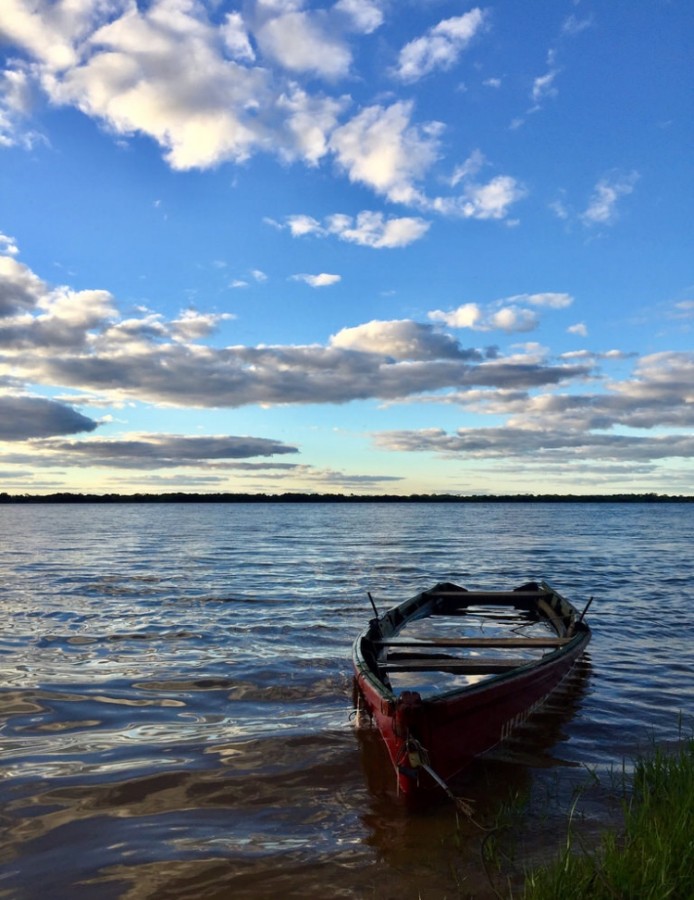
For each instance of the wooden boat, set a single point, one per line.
(452, 672)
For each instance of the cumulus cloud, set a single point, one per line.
(478, 199)
(602, 207)
(8, 245)
(82, 342)
(192, 325)
(317, 281)
(301, 41)
(514, 319)
(365, 15)
(16, 100)
(23, 417)
(128, 67)
(558, 428)
(491, 200)
(402, 340)
(368, 229)
(20, 289)
(440, 47)
(504, 315)
(381, 149)
(236, 38)
(469, 315)
(213, 88)
(79, 341)
(579, 328)
(139, 358)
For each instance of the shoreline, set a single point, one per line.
(298, 497)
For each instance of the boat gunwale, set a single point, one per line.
(411, 610)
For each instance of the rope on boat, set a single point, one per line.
(418, 758)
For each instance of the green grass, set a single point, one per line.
(651, 859)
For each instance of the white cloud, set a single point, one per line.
(51, 31)
(316, 281)
(210, 91)
(236, 38)
(503, 315)
(8, 245)
(20, 288)
(369, 229)
(309, 122)
(16, 99)
(514, 319)
(76, 340)
(133, 79)
(579, 328)
(193, 325)
(543, 87)
(77, 309)
(469, 168)
(440, 47)
(365, 15)
(301, 42)
(399, 339)
(602, 208)
(491, 200)
(168, 72)
(477, 200)
(379, 148)
(469, 315)
(301, 225)
(550, 300)
(560, 209)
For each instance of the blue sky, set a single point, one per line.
(360, 246)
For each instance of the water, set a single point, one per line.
(175, 689)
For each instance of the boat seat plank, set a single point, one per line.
(548, 641)
(487, 615)
(463, 666)
(502, 598)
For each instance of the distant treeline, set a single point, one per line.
(184, 497)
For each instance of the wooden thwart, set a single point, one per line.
(464, 666)
(503, 598)
(475, 642)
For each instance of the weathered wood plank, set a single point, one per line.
(501, 597)
(462, 666)
(474, 642)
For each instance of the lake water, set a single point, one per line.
(175, 689)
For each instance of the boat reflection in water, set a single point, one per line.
(533, 772)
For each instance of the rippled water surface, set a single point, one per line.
(175, 690)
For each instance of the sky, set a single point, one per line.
(359, 246)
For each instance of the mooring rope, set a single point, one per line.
(418, 758)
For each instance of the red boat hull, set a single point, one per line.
(456, 729)
(434, 739)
